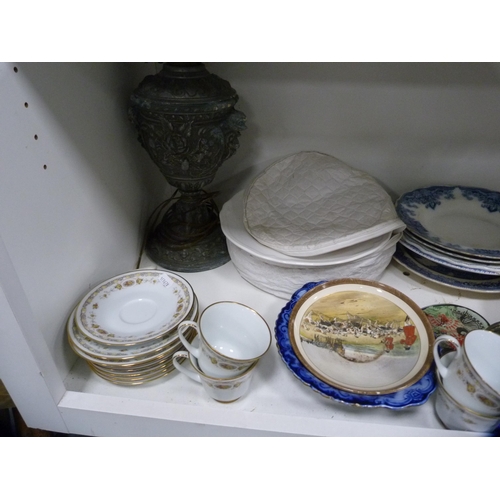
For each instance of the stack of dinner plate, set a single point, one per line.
(310, 217)
(452, 236)
(126, 327)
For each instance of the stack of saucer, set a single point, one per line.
(126, 327)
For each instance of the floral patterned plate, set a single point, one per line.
(134, 307)
(463, 219)
(115, 354)
(454, 320)
(413, 395)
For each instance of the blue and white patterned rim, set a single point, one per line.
(441, 274)
(449, 261)
(414, 395)
(431, 198)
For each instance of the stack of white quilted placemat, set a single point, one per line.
(310, 217)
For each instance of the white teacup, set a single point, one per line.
(232, 338)
(457, 417)
(472, 378)
(222, 390)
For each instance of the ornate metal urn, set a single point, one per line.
(187, 123)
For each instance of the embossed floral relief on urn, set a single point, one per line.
(187, 123)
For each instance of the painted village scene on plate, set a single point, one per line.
(359, 340)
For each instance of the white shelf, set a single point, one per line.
(86, 200)
(278, 403)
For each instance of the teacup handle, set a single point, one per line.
(443, 370)
(183, 326)
(187, 371)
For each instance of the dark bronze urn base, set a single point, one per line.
(187, 123)
(189, 238)
(209, 253)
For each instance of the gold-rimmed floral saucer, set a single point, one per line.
(97, 350)
(134, 307)
(149, 357)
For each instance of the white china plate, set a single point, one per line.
(113, 354)
(127, 380)
(134, 307)
(311, 203)
(448, 252)
(463, 219)
(361, 336)
(444, 275)
(447, 260)
(231, 218)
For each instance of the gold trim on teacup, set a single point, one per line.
(479, 382)
(460, 405)
(219, 354)
(194, 365)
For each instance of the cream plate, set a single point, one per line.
(438, 273)
(134, 307)
(231, 218)
(134, 380)
(455, 262)
(134, 364)
(112, 354)
(448, 252)
(361, 336)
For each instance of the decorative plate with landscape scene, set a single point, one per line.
(361, 336)
(413, 395)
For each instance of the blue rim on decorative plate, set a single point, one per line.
(414, 395)
(461, 218)
(444, 275)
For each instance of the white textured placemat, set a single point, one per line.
(310, 203)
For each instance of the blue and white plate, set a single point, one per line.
(438, 273)
(463, 219)
(414, 395)
(455, 262)
(450, 253)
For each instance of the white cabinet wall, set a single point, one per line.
(76, 190)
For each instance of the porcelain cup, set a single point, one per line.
(472, 378)
(222, 390)
(457, 417)
(232, 337)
